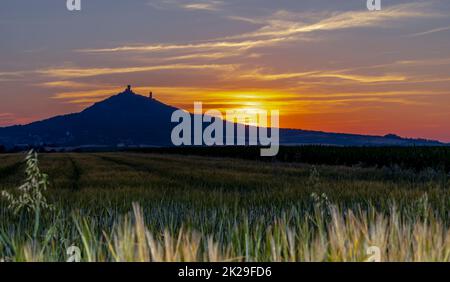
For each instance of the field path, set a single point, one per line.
(76, 174)
(118, 161)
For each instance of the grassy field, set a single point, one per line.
(198, 208)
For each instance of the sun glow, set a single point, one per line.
(250, 105)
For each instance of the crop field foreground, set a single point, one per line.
(158, 207)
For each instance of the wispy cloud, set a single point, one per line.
(202, 56)
(435, 30)
(259, 75)
(278, 28)
(362, 78)
(201, 5)
(206, 5)
(2, 115)
(286, 24)
(74, 96)
(189, 46)
(89, 72)
(64, 84)
(12, 75)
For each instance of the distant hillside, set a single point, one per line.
(127, 119)
(306, 137)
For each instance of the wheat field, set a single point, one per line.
(155, 207)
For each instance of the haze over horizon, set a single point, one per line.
(326, 65)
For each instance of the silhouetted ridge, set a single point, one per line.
(121, 120)
(129, 119)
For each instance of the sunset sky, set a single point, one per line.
(328, 65)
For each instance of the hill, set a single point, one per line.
(128, 119)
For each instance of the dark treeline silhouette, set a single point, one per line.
(417, 158)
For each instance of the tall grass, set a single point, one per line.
(130, 207)
(341, 237)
